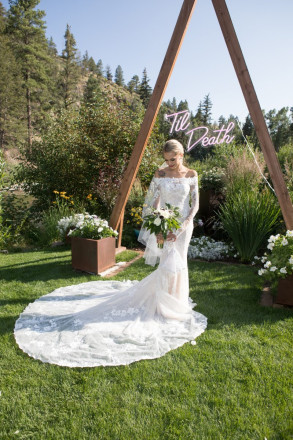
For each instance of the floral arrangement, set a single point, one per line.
(86, 226)
(136, 218)
(209, 249)
(279, 262)
(162, 221)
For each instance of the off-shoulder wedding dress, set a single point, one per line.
(117, 323)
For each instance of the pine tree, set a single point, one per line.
(109, 75)
(133, 85)
(71, 71)
(85, 62)
(26, 30)
(92, 90)
(206, 110)
(12, 103)
(100, 68)
(52, 47)
(183, 105)
(145, 89)
(119, 80)
(92, 65)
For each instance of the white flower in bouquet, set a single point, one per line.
(162, 221)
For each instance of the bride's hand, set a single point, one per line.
(171, 236)
(160, 238)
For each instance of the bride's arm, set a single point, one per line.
(194, 193)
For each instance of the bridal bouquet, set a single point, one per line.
(162, 221)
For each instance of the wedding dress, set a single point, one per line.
(117, 323)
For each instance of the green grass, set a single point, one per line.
(127, 255)
(235, 384)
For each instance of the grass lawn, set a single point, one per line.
(236, 383)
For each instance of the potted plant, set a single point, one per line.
(92, 244)
(278, 266)
(66, 224)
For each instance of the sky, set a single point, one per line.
(135, 34)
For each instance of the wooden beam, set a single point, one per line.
(255, 110)
(152, 110)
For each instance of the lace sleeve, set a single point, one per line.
(194, 195)
(152, 200)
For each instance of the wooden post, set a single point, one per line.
(255, 110)
(152, 110)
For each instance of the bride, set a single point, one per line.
(117, 323)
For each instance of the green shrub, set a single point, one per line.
(249, 218)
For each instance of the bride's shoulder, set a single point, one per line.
(160, 172)
(191, 173)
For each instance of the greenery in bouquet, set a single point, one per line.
(162, 221)
(278, 263)
(91, 226)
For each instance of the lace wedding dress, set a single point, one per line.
(117, 323)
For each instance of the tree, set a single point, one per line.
(119, 79)
(92, 90)
(109, 75)
(145, 89)
(52, 48)
(97, 137)
(12, 101)
(26, 30)
(92, 65)
(279, 126)
(100, 68)
(206, 109)
(71, 72)
(133, 85)
(183, 105)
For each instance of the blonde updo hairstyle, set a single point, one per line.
(173, 146)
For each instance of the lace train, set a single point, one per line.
(106, 323)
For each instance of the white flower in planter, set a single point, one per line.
(289, 233)
(283, 270)
(291, 260)
(273, 268)
(268, 264)
(284, 242)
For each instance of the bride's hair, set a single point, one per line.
(173, 145)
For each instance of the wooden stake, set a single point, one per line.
(152, 110)
(255, 110)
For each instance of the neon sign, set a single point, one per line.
(180, 121)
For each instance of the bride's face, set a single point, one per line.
(173, 160)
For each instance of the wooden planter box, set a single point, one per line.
(93, 256)
(285, 291)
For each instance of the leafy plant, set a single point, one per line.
(93, 227)
(278, 263)
(249, 218)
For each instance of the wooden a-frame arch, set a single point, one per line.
(250, 96)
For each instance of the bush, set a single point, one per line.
(249, 218)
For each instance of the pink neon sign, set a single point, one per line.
(180, 122)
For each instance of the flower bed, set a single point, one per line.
(208, 249)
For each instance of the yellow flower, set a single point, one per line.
(54, 202)
(56, 192)
(63, 192)
(72, 202)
